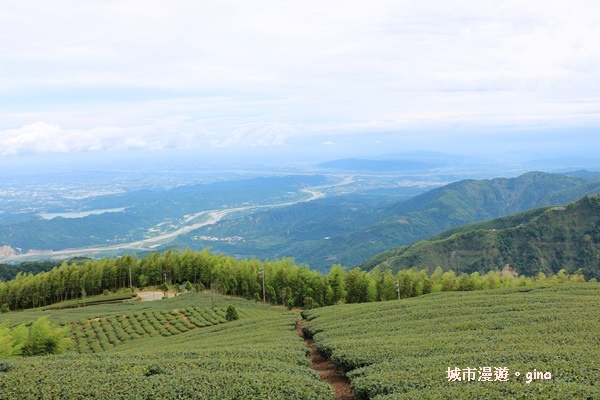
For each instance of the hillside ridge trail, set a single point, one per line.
(327, 369)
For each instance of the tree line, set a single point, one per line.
(8, 271)
(285, 283)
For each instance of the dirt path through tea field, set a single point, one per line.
(326, 369)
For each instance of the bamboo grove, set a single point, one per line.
(285, 283)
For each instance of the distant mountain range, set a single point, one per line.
(361, 164)
(350, 230)
(406, 162)
(584, 174)
(545, 240)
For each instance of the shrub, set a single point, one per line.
(231, 314)
(44, 338)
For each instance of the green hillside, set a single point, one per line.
(301, 231)
(185, 348)
(350, 229)
(100, 334)
(541, 240)
(404, 349)
(461, 203)
(257, 357)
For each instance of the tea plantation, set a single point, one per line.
(106, 333)
(407, 349)
(256, 357)
(450, 345)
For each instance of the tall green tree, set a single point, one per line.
(337, 282)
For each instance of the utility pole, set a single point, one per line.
(398, 288)
(261, 272)
(130, 281)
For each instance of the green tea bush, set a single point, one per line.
(251, 359)
(403, 349)
(5, 366)
(105, 333)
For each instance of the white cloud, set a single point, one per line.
(41, 137)
(35, 138)
(155, 74)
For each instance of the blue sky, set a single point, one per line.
(328, 77)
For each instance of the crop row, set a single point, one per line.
(100, 334)
(94, 300)
(403, 349)
(253, 358)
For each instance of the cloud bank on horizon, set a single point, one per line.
(123, 75)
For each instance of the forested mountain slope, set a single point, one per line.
(349, 230)
(541, 240)
(461, 203)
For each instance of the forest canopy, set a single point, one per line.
(285, 282)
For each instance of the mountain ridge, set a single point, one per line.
(545, 239)
(370, 229)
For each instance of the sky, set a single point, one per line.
(326, 78)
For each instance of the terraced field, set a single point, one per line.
(140, 357)
(101, 334)
(416, 348)
(73, 315)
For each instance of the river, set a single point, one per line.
(208, 218)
